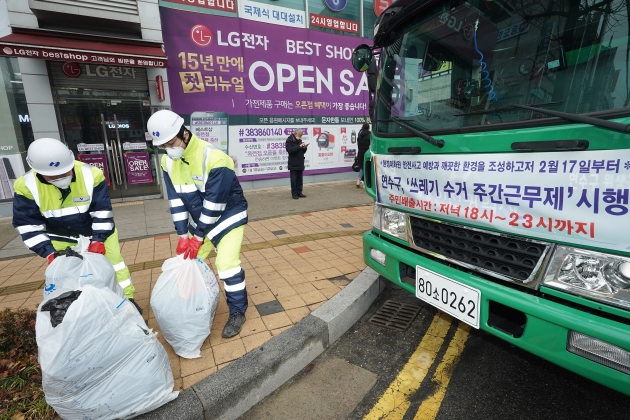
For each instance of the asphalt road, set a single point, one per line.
(483, 378)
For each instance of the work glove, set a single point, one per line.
(97, 248)
(182, 245)
(193, 248)
(51, 258)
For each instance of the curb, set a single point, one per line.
(230, 392)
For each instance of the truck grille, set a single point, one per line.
(502, 256)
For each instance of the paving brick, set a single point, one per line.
(20, 296)
(321, 284)
(276, 320)
(256, 287)
(223, 365)
(265, 269)
(252, 326)
(269, 308)
(33, 302)
(297, 314)
(291, 302)
(189, 381)
(329, 292)
(304, 288)
(260, 298)
(222, 307)
(302, 249)
(251, 312)
(331, 272)
(353, 275)
(256, 340)
(228, 351)
(179, 385)
(313, 297)
(11, 305)
(284, 292)
(192, 366)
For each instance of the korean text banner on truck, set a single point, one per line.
(578, 197)
(269, 80)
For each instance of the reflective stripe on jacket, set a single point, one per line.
(203, 187)
(41, 211)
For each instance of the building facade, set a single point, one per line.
(89, 73)
(246, 73)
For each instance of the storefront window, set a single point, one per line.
(106, 128)
(15, 126)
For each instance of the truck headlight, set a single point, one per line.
(594, 275)
(390, 221)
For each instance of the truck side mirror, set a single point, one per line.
(361, 58)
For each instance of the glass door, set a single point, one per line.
(107, 130)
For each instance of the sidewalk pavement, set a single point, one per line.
(137, 219)
(293, 263)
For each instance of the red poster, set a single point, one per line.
(98, 160)
(138, 168)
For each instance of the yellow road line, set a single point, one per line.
(394, 403)
(430, 407)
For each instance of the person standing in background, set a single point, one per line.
(296, 150)
(363, 143)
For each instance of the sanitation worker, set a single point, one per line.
(61, 198)
(207, 206)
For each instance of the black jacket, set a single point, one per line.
(363, 143)
(296, 154)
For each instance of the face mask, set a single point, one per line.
(62, 183)
(175, 152)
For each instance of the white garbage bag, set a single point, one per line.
(184, 301)
(100, 360)
(78, 268)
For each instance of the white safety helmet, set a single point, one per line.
(49, 157)
(164, 125)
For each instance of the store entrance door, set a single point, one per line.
(109, 133)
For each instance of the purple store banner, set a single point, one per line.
(244, 67)
(98, 160)
(138, 168)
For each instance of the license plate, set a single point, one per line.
(454, 298)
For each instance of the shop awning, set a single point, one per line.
(83, 50)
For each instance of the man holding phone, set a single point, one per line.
(296, 150)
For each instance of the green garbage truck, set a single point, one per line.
(500, 168)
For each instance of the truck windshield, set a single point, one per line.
(570, 55)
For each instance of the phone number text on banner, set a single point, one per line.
(579, 197)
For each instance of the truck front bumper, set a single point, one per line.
(547, 322)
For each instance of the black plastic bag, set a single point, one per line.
(356, 166)
(59, 306)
